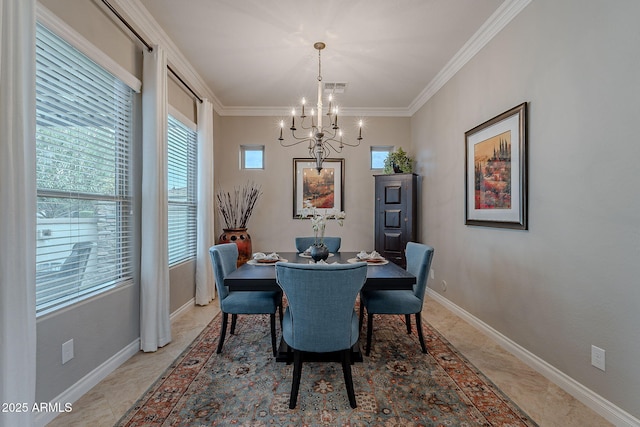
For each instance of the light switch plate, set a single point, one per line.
(67, 351)
(597, 357)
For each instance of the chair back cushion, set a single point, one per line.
(223, 260)
(419, 258)
(321, 300)
(303, 243)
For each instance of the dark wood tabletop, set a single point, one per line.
(263, 277)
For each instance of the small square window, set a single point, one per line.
(378, 154)
(252, 157)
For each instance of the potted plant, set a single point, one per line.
(235, 210)
(398, 162)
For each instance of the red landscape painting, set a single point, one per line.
(492, 159)
(318, 190)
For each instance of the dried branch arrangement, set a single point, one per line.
(236, 208)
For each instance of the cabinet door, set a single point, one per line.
(393, 216)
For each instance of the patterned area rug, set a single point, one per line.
(397, 385)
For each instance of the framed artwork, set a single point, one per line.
(324, 190)
(496, 171)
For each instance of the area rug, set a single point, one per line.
(397, 385)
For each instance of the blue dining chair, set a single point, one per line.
(405, 302)
(223, 259)
(303, 243)
(320, 317)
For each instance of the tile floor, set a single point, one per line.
(545, 402)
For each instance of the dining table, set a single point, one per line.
(261, 276)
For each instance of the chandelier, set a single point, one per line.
(322, 139)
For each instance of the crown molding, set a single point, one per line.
(496, 22)
(143, 22)
(286, 111)
(375, 112)
(153, 33)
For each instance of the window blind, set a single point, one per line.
(83, 142)
(182, 192)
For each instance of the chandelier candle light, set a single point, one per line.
(322, 139)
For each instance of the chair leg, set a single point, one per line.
(280, 312)
(225, 319)
(407, 318)
(348, 380)
(361, 315)
(234, 318)
(369, 332)
(289, 355)
(272, 318)
(420, 337)
(297, 374)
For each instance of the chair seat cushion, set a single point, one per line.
(391, 302)
(251, 302)
(318, 346)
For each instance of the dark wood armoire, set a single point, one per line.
(395, 214)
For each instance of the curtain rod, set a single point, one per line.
(148, 46)
(184, 83)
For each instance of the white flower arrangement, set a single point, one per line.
(319, 221)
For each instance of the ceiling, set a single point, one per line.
(258, 54)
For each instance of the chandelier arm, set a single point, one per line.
(322, 140)
(304, 126)
(330, 133)
(296, 142)
(343, 142)
(350, 144)
(306, 137)
(329, 143)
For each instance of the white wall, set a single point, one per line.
(572, 280)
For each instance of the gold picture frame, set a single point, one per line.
(496, 171)
(324, 190)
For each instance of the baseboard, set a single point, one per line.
(606, 409)
(189, 305)
(81, 387)
(90, 380)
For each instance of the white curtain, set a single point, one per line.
(155, 326)
(205, 286)
(17, 209)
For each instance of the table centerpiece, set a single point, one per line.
(319, 250)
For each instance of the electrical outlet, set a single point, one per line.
(433, 274)
(597, 357)
(67, 351)
(444, 286)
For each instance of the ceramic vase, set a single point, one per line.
(241, 238)
(319, 251)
